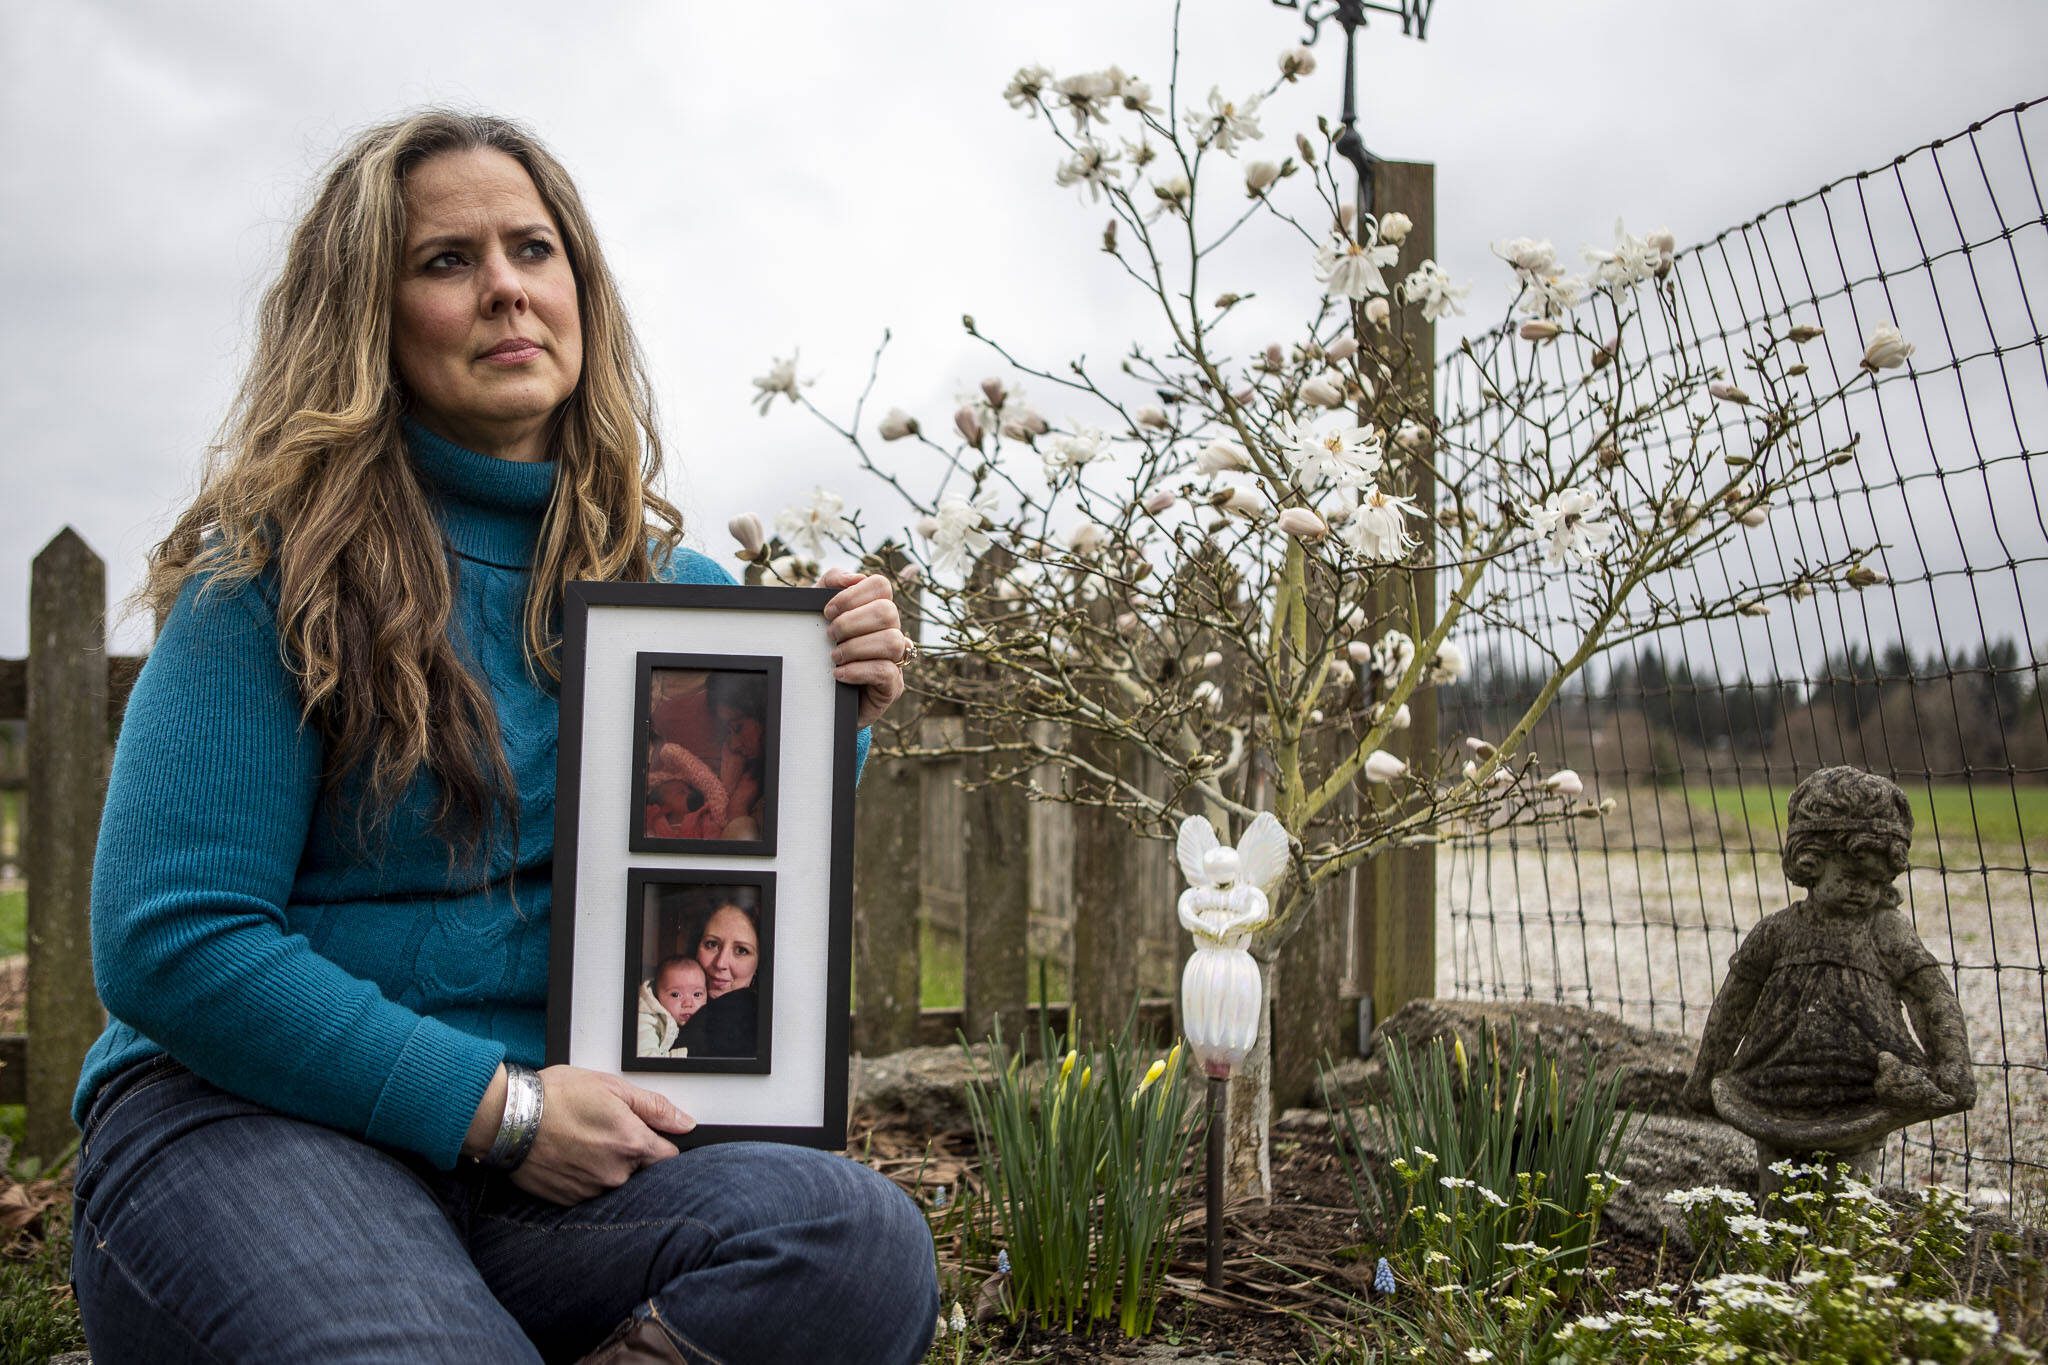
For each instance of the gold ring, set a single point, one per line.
(909, 652)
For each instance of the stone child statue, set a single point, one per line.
(1807, 1048)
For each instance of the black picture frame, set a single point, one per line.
(770, 670)
(579, 929)
(641, 880)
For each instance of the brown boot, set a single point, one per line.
(640, 1341)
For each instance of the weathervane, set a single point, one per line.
(1414, 17)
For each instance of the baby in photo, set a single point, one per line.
(668, 1001)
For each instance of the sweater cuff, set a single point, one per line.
(436, 1085)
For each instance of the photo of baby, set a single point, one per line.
(698, 977)
(704, 775)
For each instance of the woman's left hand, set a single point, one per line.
(868, 643)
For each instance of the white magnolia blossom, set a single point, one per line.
(1025, 87)
(746, 529)
(1065, 453)
(1665, 244)
(1088, 539)
(1381, 766)
(1411, 434)
(1336, 453)
(1351, 269)
(1570, 520)
(1429, 286)
(1092, 164)
(1260, 176)
(897, 425)
(1135, 94)
(1325, 390)
(1448, 666)
(1392, 655)
(1225, 123)
(1565, 782)
(1218, 456)
(1550, 294)
(780, 379)
(1395, 227)
(1377, 531)
(957, 536)
(1528, 255)
(1021, 422)
(1343, 348)
(1087, 96)
(1377, 312)
(1240, 501)
(1302, 524)
(1886, 349)
(814, 526)
(1631, 261)
(1400, 719)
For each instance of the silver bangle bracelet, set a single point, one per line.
(521, 1123)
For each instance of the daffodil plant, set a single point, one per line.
(1245, 549)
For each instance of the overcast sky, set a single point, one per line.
(768, 176)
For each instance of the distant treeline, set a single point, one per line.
(1656, 715)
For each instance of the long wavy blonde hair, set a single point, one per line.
(309, 476)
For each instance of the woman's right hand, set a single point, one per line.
(595, 1131)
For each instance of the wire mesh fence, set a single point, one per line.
(1930, 675)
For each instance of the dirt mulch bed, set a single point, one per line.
(1291, 1265)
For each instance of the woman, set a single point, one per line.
(729, 951)
(312, 1130)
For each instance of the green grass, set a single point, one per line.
(2004, 819)
(13, 922)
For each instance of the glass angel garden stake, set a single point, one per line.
(1220, 990)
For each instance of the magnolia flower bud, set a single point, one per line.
(1341, 673)
(1343, 348)
(1244, 395)
(1259, 177)
(1347, 218)
(1153, 417)
(1022, 424)
(1400, 720)
(1087, 538)
(1160, 502)
(1377, 312)
(1479, 746)
(994, 391)
(911, 573)
(1727, 392)
(1276, 358)
(1241, 501)
(1381, 766)
(1411, 435)
(1297, 62)
(1794, 371)
(1207, 694)
(1665, 245)
(1307, 150)
(968, 423)
(1756, 514)
(1861, 576)
(926, 527)
(1565, 782)
(1539, 329)
(1801, 591)
(1218, 456)
(1302, 523)
(1323, 393)
(1887, 350)
(746, 529)
(1756, 608)
(1395, 227)
(1212, 659)
(1359, 652)
(1127, 623)
(898, 424)
(1803, 333)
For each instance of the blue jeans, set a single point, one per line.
(210, 1228)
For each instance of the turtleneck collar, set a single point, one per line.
(492, 508)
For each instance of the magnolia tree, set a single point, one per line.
(1213, 556)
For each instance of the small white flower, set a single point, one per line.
(1550, 294)
(1447, 667)
(1477, 1353)
(1087, 539)
(1024, 88)
(1324, 391)
(1065, 453)
(1432, 288)
(1302, 523)
(1086, 96)
(1665, 245)
(1400, 720)
(1351, 269)
(1213, 659)
(1335, 453)
(1381, 766)
(1090, 165)
(1135, 94)
(1395, 227)
(1886, 350)
(1260, 176)
(1340, 672)
(1208, 695)
(958, 1322)
(957, 536)
(897, 425)
(1225, 123)
(1565, 782)
(1218, 456)
(1377, 531)
(814, 526)
(1411, 435)
(780, 379)
(1527, 254)
(1570, 520)
(1631, 261)
(1392, 655)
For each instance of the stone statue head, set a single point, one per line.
(1847, 835)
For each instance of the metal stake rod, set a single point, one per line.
(1219, 1088)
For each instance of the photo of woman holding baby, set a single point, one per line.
(703, 1003)
(707, 754)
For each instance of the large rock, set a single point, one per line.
(1665, 1152)
(1653, 1064)
(923, 1086)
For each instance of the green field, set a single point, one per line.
(2003, 818)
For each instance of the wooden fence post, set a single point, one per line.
(1397, 895)
(889, 823)
(995, 838)
(1107, 916)
(67, 776)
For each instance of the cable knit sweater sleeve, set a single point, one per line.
(208, 806)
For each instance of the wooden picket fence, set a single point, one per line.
(973, 867)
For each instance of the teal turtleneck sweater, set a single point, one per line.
(237, 924)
